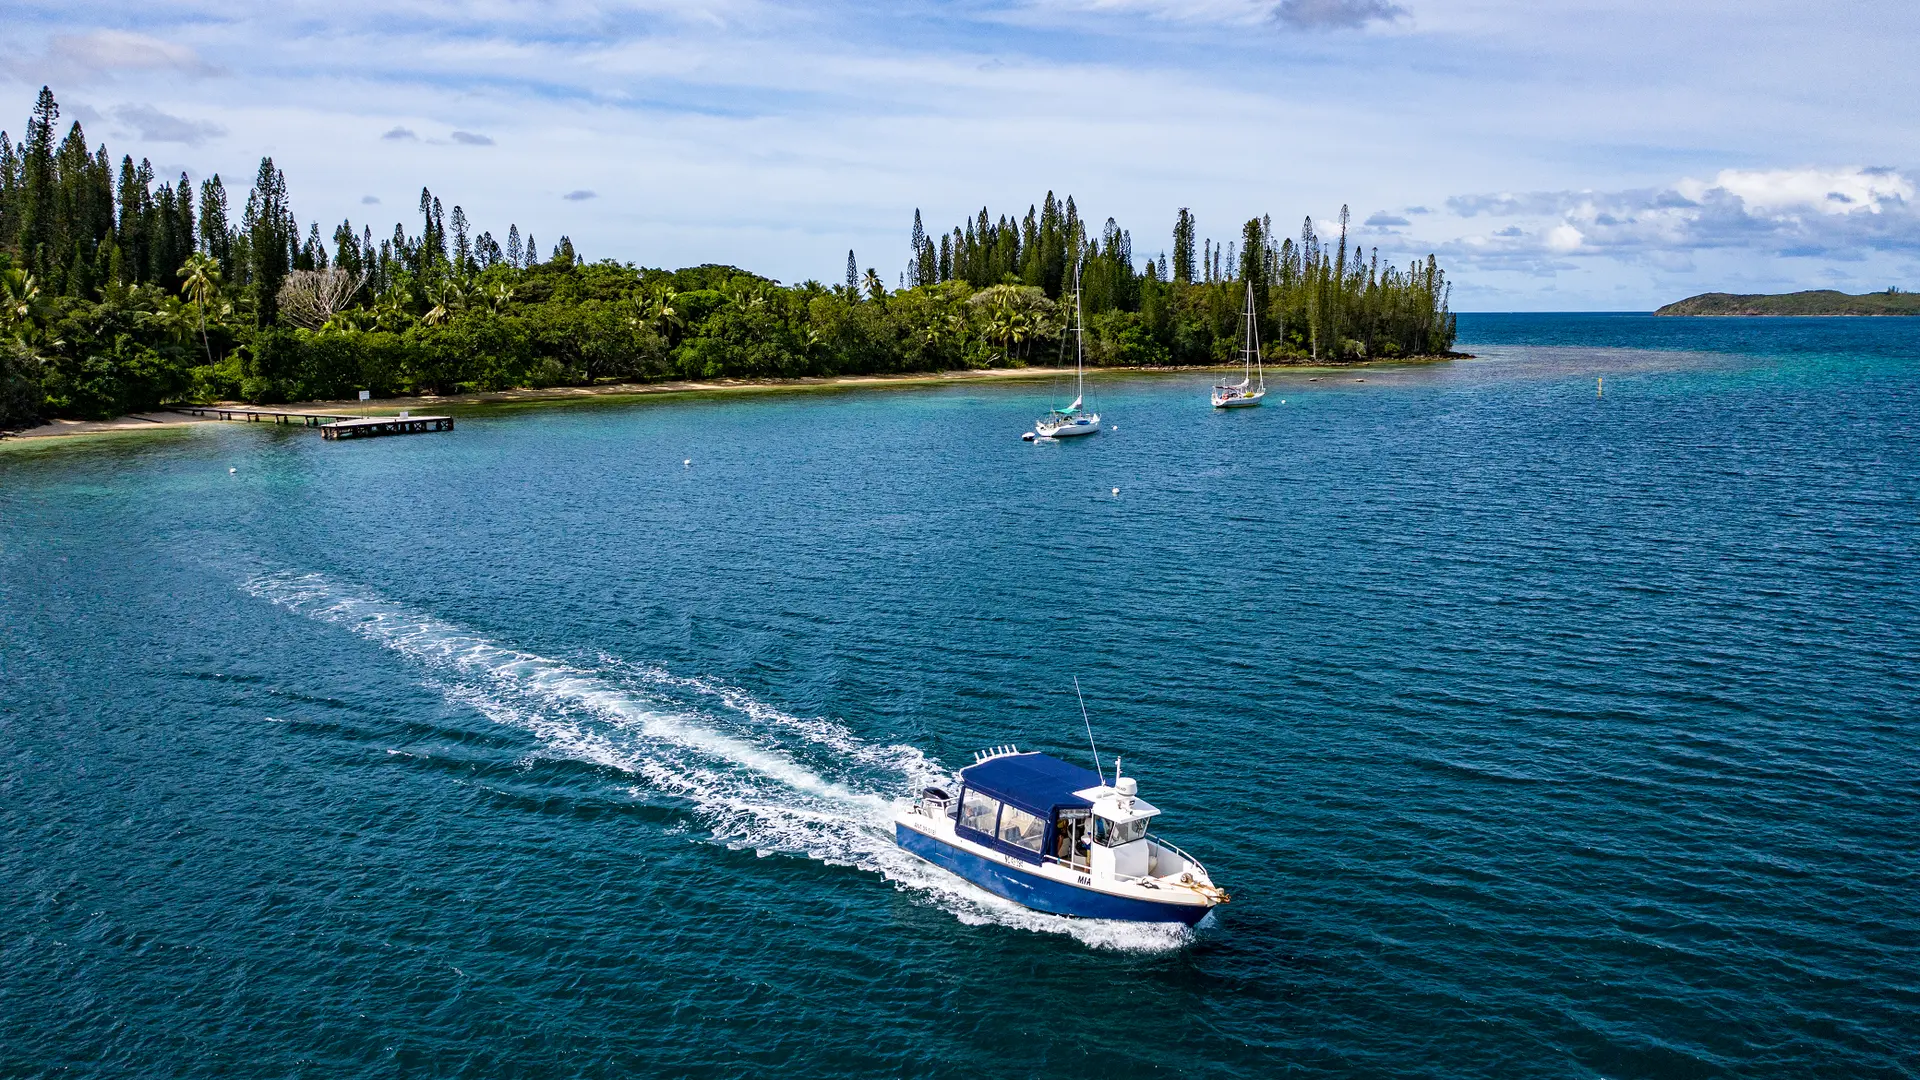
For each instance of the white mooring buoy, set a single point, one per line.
(1116, 491)
(231, 472)
(687, 464)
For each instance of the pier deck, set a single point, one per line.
(367, 427)
(250, 414)
(331, 425)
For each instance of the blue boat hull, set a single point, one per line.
(1039, 893)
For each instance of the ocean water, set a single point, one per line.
(1537, 731)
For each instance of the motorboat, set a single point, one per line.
(1057, 837)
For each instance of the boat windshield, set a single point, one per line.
(1115, 833)
(977, 811)
(1021, 829)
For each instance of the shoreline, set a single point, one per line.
(162, 418)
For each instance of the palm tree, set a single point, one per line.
(201, 282)
(665, 316)
(447, 297)
(19, 297)
(22, 313)
(872, 283)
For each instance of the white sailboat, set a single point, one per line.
(1075, 419)
(1246, 393)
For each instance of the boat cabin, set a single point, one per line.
(1041, 809)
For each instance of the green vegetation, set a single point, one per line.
(122, 290)
(1812, 302)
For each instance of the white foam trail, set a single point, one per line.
(746, 786)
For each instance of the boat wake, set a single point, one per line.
(755, 777)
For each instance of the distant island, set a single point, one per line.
(122, 291)
(1811, 302)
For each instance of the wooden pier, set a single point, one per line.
(331, 425)
(247, 413)
(367, 427)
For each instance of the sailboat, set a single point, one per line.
(1246, 393)
(1074, 419)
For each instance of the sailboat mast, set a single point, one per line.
(1246, 350)
(1079, 342)
(1253, 336)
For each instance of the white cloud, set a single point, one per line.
(1780, 192)
(1831, 212)
(84, 57)
(1564, 238)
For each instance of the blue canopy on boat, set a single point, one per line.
(1035, 783)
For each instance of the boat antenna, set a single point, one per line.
(1083, 716)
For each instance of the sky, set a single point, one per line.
(1585, 155)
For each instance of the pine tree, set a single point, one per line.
(346, 248)
(462, 247)
(160, 238)
(513, 245)
(533, 250)
(180, 229)
(9, 191)
(37, 183)
(919, 241)
(1053, 248)
(214, 237)
(270, 238)
(431, 240)
(1183, 247)
(853, 276)
(131, 233)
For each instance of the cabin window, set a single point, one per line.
(1021, 829)
(1115, 833)
(977, 811)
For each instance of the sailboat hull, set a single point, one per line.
(1244, 401)
(1064, 431)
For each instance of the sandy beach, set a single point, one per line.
(149, 421)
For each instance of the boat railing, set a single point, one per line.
(1171, 846)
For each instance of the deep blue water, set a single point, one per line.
(1536, 732)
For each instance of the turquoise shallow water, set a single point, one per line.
(1536, 733)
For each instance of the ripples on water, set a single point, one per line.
(1536, 732)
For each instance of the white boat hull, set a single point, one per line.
(1239, 401)
(1089, 426)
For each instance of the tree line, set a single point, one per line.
(120, 289)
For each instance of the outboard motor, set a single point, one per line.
(935, 802)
